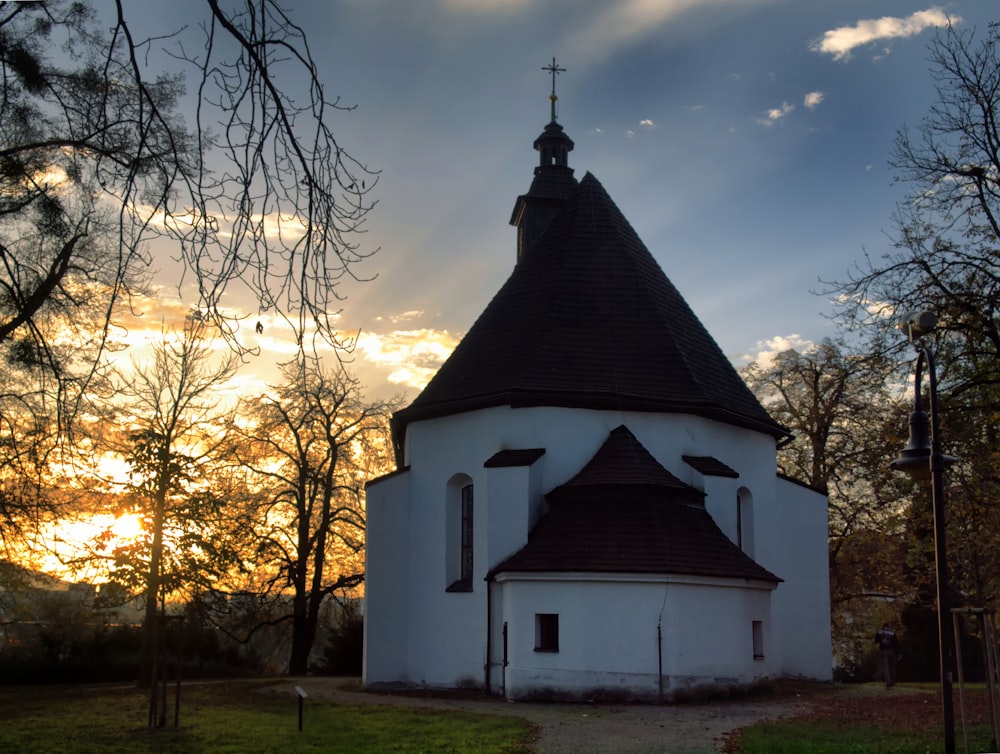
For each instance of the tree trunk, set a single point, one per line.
(304, 624)
(149, 624)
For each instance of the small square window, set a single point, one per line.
(758, 640)
(546, 632)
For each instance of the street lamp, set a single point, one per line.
(922, 459)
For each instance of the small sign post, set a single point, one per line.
(301, 692)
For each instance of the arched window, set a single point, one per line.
(460, 534)
(744, 521)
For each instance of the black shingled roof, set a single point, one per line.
(625, 513)
(623, 461)
(588, 319)
(710, 466)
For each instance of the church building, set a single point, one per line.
(586, 503)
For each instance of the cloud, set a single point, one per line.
(842, 41)
(407, 316)
(411, 356)
(813, 99)
(486, 6)
(775, 114)
(647, 123)
(767, 350)
(626, 22)
(877, 310)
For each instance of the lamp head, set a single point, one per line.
(916, 324)
(915, 457)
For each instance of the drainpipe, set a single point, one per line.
(503, 671)
(659, 662)
(489, 631)
(659, 644)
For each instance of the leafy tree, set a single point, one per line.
(945, 258)
(972, 433)
(167, 428)
(26, 446)
(844, 422)
(308, 447)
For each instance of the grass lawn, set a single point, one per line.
(235, 717)
(806, 737)
(868, 719)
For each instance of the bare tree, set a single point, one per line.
(947, 238)
(97, 154)
(212, 142)
(310, 446)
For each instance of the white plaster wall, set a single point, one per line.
(386, 618)
(443, 635)
(510, 507)
(440, 447)
(608, 635)
(803, 600)
(720, 501)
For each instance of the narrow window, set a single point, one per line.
(467, 531)
(739, 521)
(459, 559)
(744, 521)
(758, 639)
(546, 632)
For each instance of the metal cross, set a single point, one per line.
(554, 70)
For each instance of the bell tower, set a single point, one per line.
(553, 182)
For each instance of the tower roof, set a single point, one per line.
(588, 319)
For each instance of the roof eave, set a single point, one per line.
(572, 399)
(768, 582)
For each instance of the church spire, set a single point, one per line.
(554, 70)
(553, 182)
(553, 145)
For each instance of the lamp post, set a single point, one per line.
(922, 459)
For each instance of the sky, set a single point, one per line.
(747, 142)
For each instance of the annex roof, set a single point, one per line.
(625, 513)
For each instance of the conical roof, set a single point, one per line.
(623, 461)
(588, 319)
(625, 513)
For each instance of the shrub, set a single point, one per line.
(344, 650)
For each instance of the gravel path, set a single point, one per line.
(574, 728)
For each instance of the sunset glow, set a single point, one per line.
(69, 541)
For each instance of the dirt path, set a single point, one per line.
(573, 728)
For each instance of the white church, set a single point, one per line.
(586, 504)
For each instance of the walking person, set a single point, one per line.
(888, 650)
